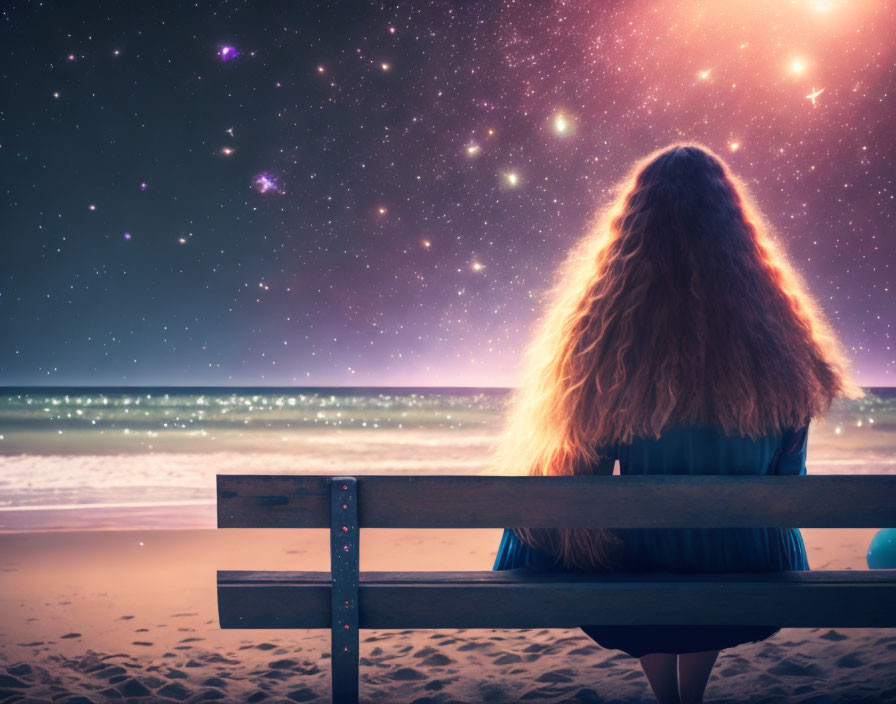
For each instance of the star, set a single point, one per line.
(814, 94)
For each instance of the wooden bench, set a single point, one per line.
(344, 600)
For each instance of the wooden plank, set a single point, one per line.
(524, 599)
(344, 554)
(667, 501)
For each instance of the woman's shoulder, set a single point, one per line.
(705, 448)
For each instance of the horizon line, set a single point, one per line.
(20, 387)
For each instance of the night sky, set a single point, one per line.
(379, 194)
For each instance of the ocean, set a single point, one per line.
(73, 453)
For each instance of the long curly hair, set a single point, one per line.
(677, 307)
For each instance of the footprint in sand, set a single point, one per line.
(404, 674)
(555, 676)
(176, 691)
(833, 635)
(849, 661)
(489, 692)
(790, 667)
(216, 682)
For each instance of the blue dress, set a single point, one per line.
(689, 449)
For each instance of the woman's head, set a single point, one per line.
(678, 307)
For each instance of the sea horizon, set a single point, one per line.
(116, 457)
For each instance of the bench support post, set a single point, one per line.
(344, 537)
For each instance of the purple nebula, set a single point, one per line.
(228, 53)
(265, 182)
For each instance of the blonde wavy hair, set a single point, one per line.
(677, 307)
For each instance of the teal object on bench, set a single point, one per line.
(882, 551)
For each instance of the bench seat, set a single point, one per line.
(530, 599)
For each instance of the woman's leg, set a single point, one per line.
(660, 671)
(693, 674)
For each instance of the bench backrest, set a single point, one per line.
(345, 600)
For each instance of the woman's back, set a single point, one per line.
(697, 450)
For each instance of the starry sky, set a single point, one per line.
(343, 193)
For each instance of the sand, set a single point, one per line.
(96, 616)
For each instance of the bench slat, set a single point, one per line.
(667, 501)
(526, 599)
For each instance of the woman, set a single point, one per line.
(678, 341)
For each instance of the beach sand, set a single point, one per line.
(95, 616)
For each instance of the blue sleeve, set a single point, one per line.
(793, 451)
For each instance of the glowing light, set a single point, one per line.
(55, 94)
(228, 53)
(127, 236)
(91, 207)
(391, 30)
(797, 66)
(734, 146)
(144, 186)
(477, 266)
(320, 69)
(473, 149)
(265, 182)
(116, 52)
(427, 244)
(703, 75)
(512, 178)
(229, 131)
(814, 94)
(71, 57)
(227, 151)
(381, 210)
(491, 132)
(182, 240)
(384, 66)
(561, 125)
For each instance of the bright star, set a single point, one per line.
(814, 94)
